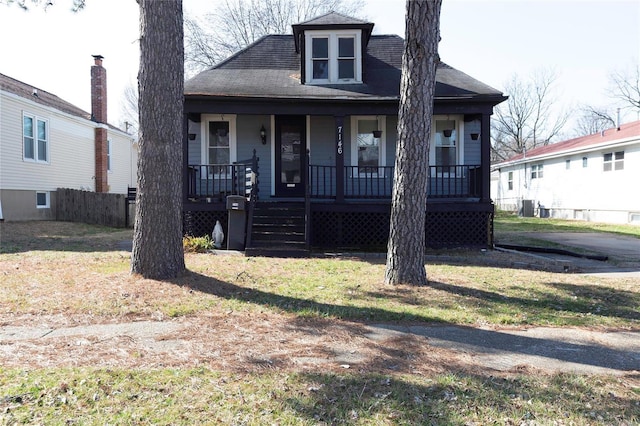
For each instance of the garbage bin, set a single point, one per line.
(236, 223)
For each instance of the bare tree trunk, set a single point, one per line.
(405, 250)
(157, 240)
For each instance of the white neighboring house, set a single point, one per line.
(594, 178)
(47, 143)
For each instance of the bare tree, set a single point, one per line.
(593, 120)
(76, 5)
(527, 119)
(235, 24)
(130, 116)
(405, 249)
(157, 239)
(626, 86)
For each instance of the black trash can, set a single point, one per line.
(236, 224)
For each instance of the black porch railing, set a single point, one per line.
(213, 182)
(459, 181)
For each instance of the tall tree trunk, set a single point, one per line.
(405, 250)
(157, 240)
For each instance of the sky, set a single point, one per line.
(491, 40)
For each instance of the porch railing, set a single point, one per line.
(213, 182)
(459, 181)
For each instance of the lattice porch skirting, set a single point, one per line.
(371, 229)
(368, 228)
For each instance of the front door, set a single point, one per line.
(291, 149)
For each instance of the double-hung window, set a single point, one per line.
(613, 161)
(510, 181)
(536, 171)
(368, 148)
(446, 146)
(346, 58)
(218, 145)
(35, 137)
(333, 57)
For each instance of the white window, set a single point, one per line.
(510, 181)
(35, 136)
(333, 57)
(613, 161)
(43, 200)
(109, 155)
(567, 164)
(585, 162)
(446, 145)
(536, 171)
(218, 142)
(368, 143)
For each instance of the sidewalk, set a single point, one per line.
(548, 349)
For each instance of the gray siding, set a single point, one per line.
(472, 153)
(195, 146)
(322, 144)
(248, 139)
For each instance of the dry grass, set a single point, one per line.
(271, 338)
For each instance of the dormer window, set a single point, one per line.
(333, 57)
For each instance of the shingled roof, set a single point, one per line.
(628, 132)
(270, 68)
(39, 96)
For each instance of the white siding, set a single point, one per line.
(579, 192)
(71, 151)
(124, 160)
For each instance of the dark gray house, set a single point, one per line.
(304, 126)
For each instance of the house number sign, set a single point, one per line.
(339, 140)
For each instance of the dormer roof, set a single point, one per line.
(332, 21)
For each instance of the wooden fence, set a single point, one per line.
(91, 207)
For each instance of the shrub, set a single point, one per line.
(192, 244)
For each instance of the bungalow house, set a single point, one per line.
(305, 126)
(591, 178)
(47, 143)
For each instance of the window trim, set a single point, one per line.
(382, 153)
(459, 120)
(47, 204)
(36, 141)
(333, 37)
(614, 163)
(510, 181)
(204, 132)
(537, 171)
(109, 156)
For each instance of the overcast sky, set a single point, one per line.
(491, 40)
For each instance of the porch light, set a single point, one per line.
(475, 136)
(263, 135)
(447, 133)
(192, 136)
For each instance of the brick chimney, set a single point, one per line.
(99, 115)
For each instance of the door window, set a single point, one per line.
(290, 151)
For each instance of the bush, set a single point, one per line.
(192, 244)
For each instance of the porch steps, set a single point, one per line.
(278, 230)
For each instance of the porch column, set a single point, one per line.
(485, 154)
(185, 158)
(340, 147)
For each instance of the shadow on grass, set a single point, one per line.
(579, 299)
(455, 337)
(20, 237)
(458, 398)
